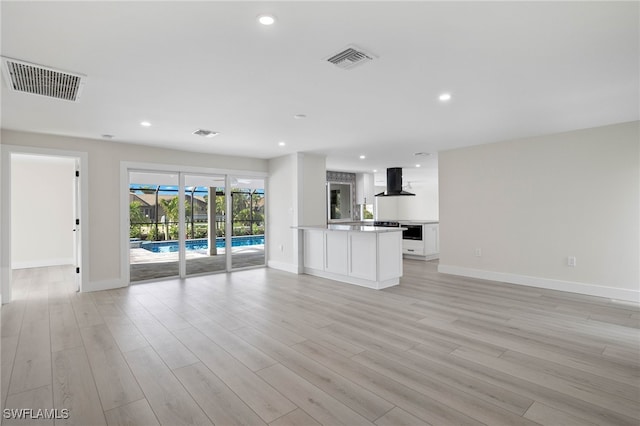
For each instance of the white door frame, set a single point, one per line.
(82, 159)
(132, 166)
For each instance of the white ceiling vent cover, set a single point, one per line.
(351, 57)
(206, 133)
(40, 80)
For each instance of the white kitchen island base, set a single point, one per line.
(362, 255)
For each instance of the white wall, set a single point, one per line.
(314, 190)
(424, 206)
(104, 158)
(281, 212)
(531, 203)
(42, 211)
(296, 197)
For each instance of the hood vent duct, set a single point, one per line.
(40, 80)
(394, 184)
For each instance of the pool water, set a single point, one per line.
(200, 244)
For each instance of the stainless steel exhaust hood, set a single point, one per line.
(394, 184)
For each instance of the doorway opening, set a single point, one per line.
(43, 199)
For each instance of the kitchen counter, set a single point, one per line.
(418, 222)
(368, 256)
(352, 228)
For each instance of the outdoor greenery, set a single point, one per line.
(248, 216)
(137, 218)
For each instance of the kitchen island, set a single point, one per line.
(367, 256)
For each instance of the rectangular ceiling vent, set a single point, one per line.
(40, 80)
(351, 57)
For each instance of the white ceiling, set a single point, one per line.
(514, 69)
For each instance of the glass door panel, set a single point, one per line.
(205, 224)
(247, 222)
(153, 226)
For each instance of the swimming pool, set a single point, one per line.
(201, 244)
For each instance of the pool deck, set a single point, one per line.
(146, 265)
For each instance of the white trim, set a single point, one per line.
(106, 285)
(125, 272)
(372, 284)
(126, 167)
(283, 266)
(5, 213)
(43, 263)
(548, 283)
(151, 167)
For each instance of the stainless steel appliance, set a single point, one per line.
(412, 231)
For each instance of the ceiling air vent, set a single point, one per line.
(40, 80)
(206, 133)
(351, 57)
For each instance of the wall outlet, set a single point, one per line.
(478, 252)
(571, 261)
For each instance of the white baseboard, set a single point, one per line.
(103, 285)
(43, 263)
(548, 283)
(375, 285)
(283, 266)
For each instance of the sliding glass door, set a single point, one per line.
(153, 226)
(184, 224)
(205, 224)
(248, 222)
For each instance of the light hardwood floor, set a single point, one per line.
(261, 347)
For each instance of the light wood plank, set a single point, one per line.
(402, 396)
(135, 413)
(32, 365)
(169, 400)
(359, 399)
(253, 358)
(74, 388)
(442, 392)
(65, 333)
(320, 405)
(115, 382)
(268, 403)
(35, 399)
(219, 402)
(546, 415)
(399, 417)
(295, 418)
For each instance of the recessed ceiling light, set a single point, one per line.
(266, 19)
(375, 170)
(145, 124)
(300, 116)
(281, 143)
(445, 97)
(417, 165)
(362, 157)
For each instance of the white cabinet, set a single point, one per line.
(365, 188)
(365, 258)
(413, 247)
(428, 248)
(431, 238)
(314, 250)
(363, 251)
(336, 252)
